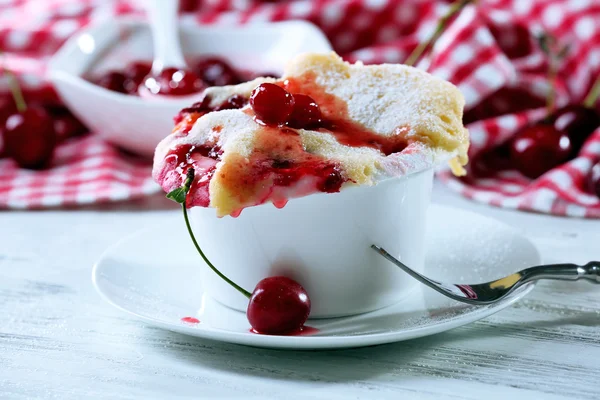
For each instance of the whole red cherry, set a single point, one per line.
(538, 148)
(216, 72)
(594, 180)
(271, 103)
(306, 112)
(29, 138)
(278, 305)
(174, 82)
(112, 80)
(577, 121)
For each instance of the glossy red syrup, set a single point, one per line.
(278, 161)
(198, 109)
(335, 119)
(304, 331)
(190, 320)
(204, 160)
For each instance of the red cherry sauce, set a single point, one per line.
(304, 331)
(204, 160)
(279, 163)
(337, 121)
(279, 166)
(190, 320)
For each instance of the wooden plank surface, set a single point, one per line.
(58, 339)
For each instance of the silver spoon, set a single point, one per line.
(491, 292)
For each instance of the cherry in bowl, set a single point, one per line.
(173, 82)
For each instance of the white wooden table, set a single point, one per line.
(58, 339)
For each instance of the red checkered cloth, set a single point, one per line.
(489, 52)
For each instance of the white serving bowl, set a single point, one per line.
(323, 242)
(139, 124)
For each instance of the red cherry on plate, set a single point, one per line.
(306, 113)
(271, 103)
(278, 305)
(112, 80)
(216, 72)
(174, 82)
(577, 121)
(538, 148)
(594, 180)
(29, 138)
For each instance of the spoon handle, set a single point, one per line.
(564, 272)
(165, 34)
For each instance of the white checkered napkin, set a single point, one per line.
(485, 49)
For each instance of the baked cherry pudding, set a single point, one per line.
(325, 125)
(370, 134)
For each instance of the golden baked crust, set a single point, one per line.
(389, 100)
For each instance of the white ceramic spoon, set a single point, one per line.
(163, 16)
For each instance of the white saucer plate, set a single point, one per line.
(154, 275)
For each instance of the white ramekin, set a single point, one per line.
(322, 241)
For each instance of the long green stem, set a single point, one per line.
(15, 89)
(439, 29)
(593, 95)
(206, 260)
(551, 95)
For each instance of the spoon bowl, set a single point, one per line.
(494, 291)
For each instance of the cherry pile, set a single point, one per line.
(278, 305)
(30, 133)
(273, 105)
(208, 71)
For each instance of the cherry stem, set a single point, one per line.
(187, 185)
(15, 90)
(439, 29)
(593, 95)
(551, 95)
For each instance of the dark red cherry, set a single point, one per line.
(538, 148)
(271, 103)
(29, 138)
(577, 121)
(278, 305)
(488, 162)
(135, 73)
(216, 72)
(306, 113)
(67, 126)
(594, 180)
(112, 80)
(174, 82)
